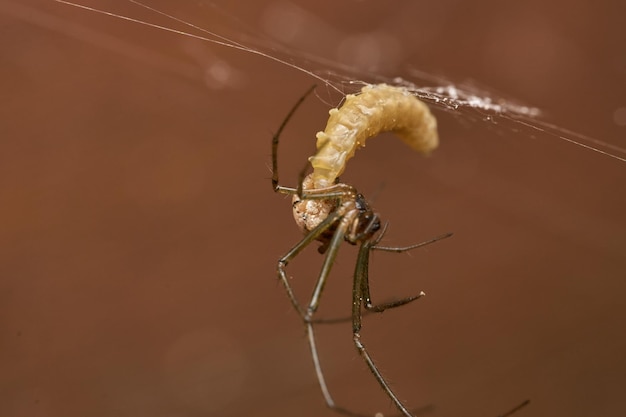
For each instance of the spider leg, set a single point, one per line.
(333, 191)
(307, 316)
(276, 137)
(515, 409)
(284, 261)
(410, 247)
(329, 260)
(379, 308)
(363, 280)
(363, 260)
(331, 254)
(361, 298)
(360, 293)
(330, 403)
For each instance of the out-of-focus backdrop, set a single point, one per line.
(139, 232)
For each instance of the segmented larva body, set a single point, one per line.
(378, 108)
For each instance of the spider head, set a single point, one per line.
(367, 222)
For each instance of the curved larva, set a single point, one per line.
(379, 108)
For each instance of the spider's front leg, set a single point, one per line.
(360, 298)
(293, 252)
(361, 276)
(363, 264)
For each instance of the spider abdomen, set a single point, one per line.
(379, 108)
(309, 213)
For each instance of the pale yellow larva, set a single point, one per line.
(378, 108)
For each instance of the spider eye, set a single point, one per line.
(361, 203)
(376, 226)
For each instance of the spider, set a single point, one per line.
(332, 214)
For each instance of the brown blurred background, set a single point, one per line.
(139, 233)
